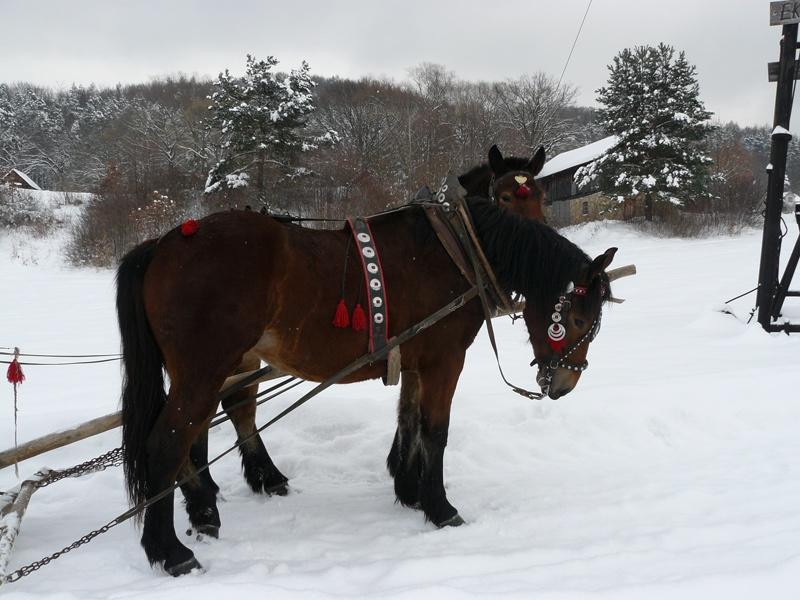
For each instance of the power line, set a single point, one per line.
(574, 43)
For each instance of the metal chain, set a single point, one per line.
(112, 458)
(38, 564)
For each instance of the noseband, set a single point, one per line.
(556, 336)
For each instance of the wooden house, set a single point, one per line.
(17, 179)
(566, 204)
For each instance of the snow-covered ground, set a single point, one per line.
(672, 470)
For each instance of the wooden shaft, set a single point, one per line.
(94, 427)
(12, 508)
(619, 272)
(613, 274)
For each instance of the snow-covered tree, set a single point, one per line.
(652, 104)
(262, 118)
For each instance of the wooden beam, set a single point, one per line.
(12, 508)
(51, 441)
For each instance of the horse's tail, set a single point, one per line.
(143, 379)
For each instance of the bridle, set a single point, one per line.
(522, 191)
(556, 336)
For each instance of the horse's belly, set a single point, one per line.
(298, 355)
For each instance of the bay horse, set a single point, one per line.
(246, 287)
(510, 182)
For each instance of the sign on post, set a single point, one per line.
(773, 71)
(784, 13)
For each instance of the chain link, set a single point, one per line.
(38, 564)
(112, 458)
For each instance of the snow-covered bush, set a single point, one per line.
(20, 209)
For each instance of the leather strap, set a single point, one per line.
(377, 305)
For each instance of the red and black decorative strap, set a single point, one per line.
(373, 279)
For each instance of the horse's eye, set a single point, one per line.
(505, 197)
(579, 323)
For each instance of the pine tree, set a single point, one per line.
(652, 104)
(262, 121)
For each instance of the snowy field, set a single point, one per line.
(672, 470)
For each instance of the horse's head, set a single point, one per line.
(509, 183)
(512, 185)
(562, 331)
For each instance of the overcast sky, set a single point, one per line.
(58, 43)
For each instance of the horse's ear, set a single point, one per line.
(496, 162)
(601, 263)
(537, 162)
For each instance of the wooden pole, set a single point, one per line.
(49, 442)
(12, 508)
(771, 237)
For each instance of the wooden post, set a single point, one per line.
(94, 427)
(12, 508)
(771, 237)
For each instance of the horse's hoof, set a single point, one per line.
(279, 489)
(184, 568)
(209, 530)
(454, 521)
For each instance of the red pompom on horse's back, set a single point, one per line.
(246, 287)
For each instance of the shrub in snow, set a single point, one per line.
(262, 119)
(21, 209)
(652, 104)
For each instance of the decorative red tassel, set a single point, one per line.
(359, 319)
(341, 319)
(557, 345)
(14, 373)
(522, 192)
(189, 227)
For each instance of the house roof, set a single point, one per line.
(578, 156)
(24, 177)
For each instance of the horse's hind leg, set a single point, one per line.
(184, 416)
(404, 457)
(259, 471)
(437, 386)
(200, 492)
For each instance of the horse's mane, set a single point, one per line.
(482, 173)
(528, 257)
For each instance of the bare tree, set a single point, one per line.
(530, 111)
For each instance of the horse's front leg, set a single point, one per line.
(437, 386)
(404, 458)
(416, 460)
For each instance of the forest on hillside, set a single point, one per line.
(148, 148)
